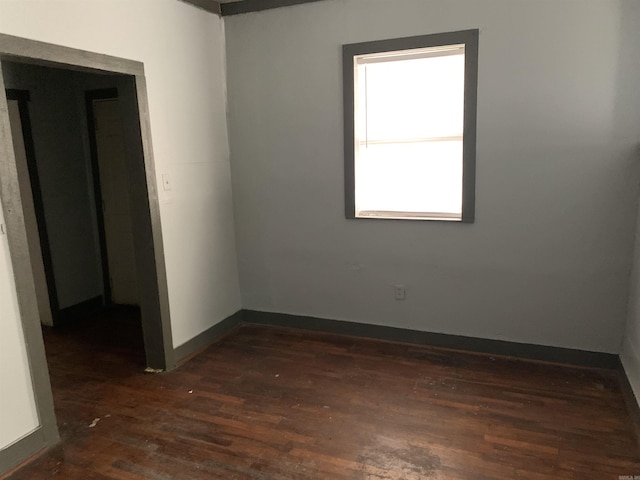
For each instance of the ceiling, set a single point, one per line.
(236, 7)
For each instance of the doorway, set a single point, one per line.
(146, 237)
(112, 198)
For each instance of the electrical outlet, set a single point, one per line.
(399, 292)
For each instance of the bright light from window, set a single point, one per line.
(409, 123)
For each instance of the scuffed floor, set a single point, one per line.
(271, 403)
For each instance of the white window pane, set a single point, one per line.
(411, 99)
(413, 177)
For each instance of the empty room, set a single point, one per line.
(319, 239)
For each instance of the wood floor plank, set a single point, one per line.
(279, 404)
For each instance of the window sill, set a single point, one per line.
(390, 215)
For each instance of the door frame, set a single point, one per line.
(148, 241)
(90, 96)
(23, 97)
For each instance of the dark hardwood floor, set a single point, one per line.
(271, 403)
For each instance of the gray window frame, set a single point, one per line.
(467, 37)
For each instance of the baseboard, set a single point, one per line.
(20, 451)
(456, 342)
(206, 338)
(566, 356)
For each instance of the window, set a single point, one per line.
(410, 115)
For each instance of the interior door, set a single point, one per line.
(30, 219)
(115, 202)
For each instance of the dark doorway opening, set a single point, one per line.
(83, 186)
(112, 198)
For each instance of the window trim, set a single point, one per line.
(467, 37)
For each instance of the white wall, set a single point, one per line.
(183, 52)
(548, 258)
(17, 407)
(630, 355)
(631, 347)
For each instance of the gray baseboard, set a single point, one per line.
(528, 351)
(207, 337)
(22, 450)
(455, 342)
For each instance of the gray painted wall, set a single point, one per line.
(62, 156)
(631, 346)
(548, 258)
